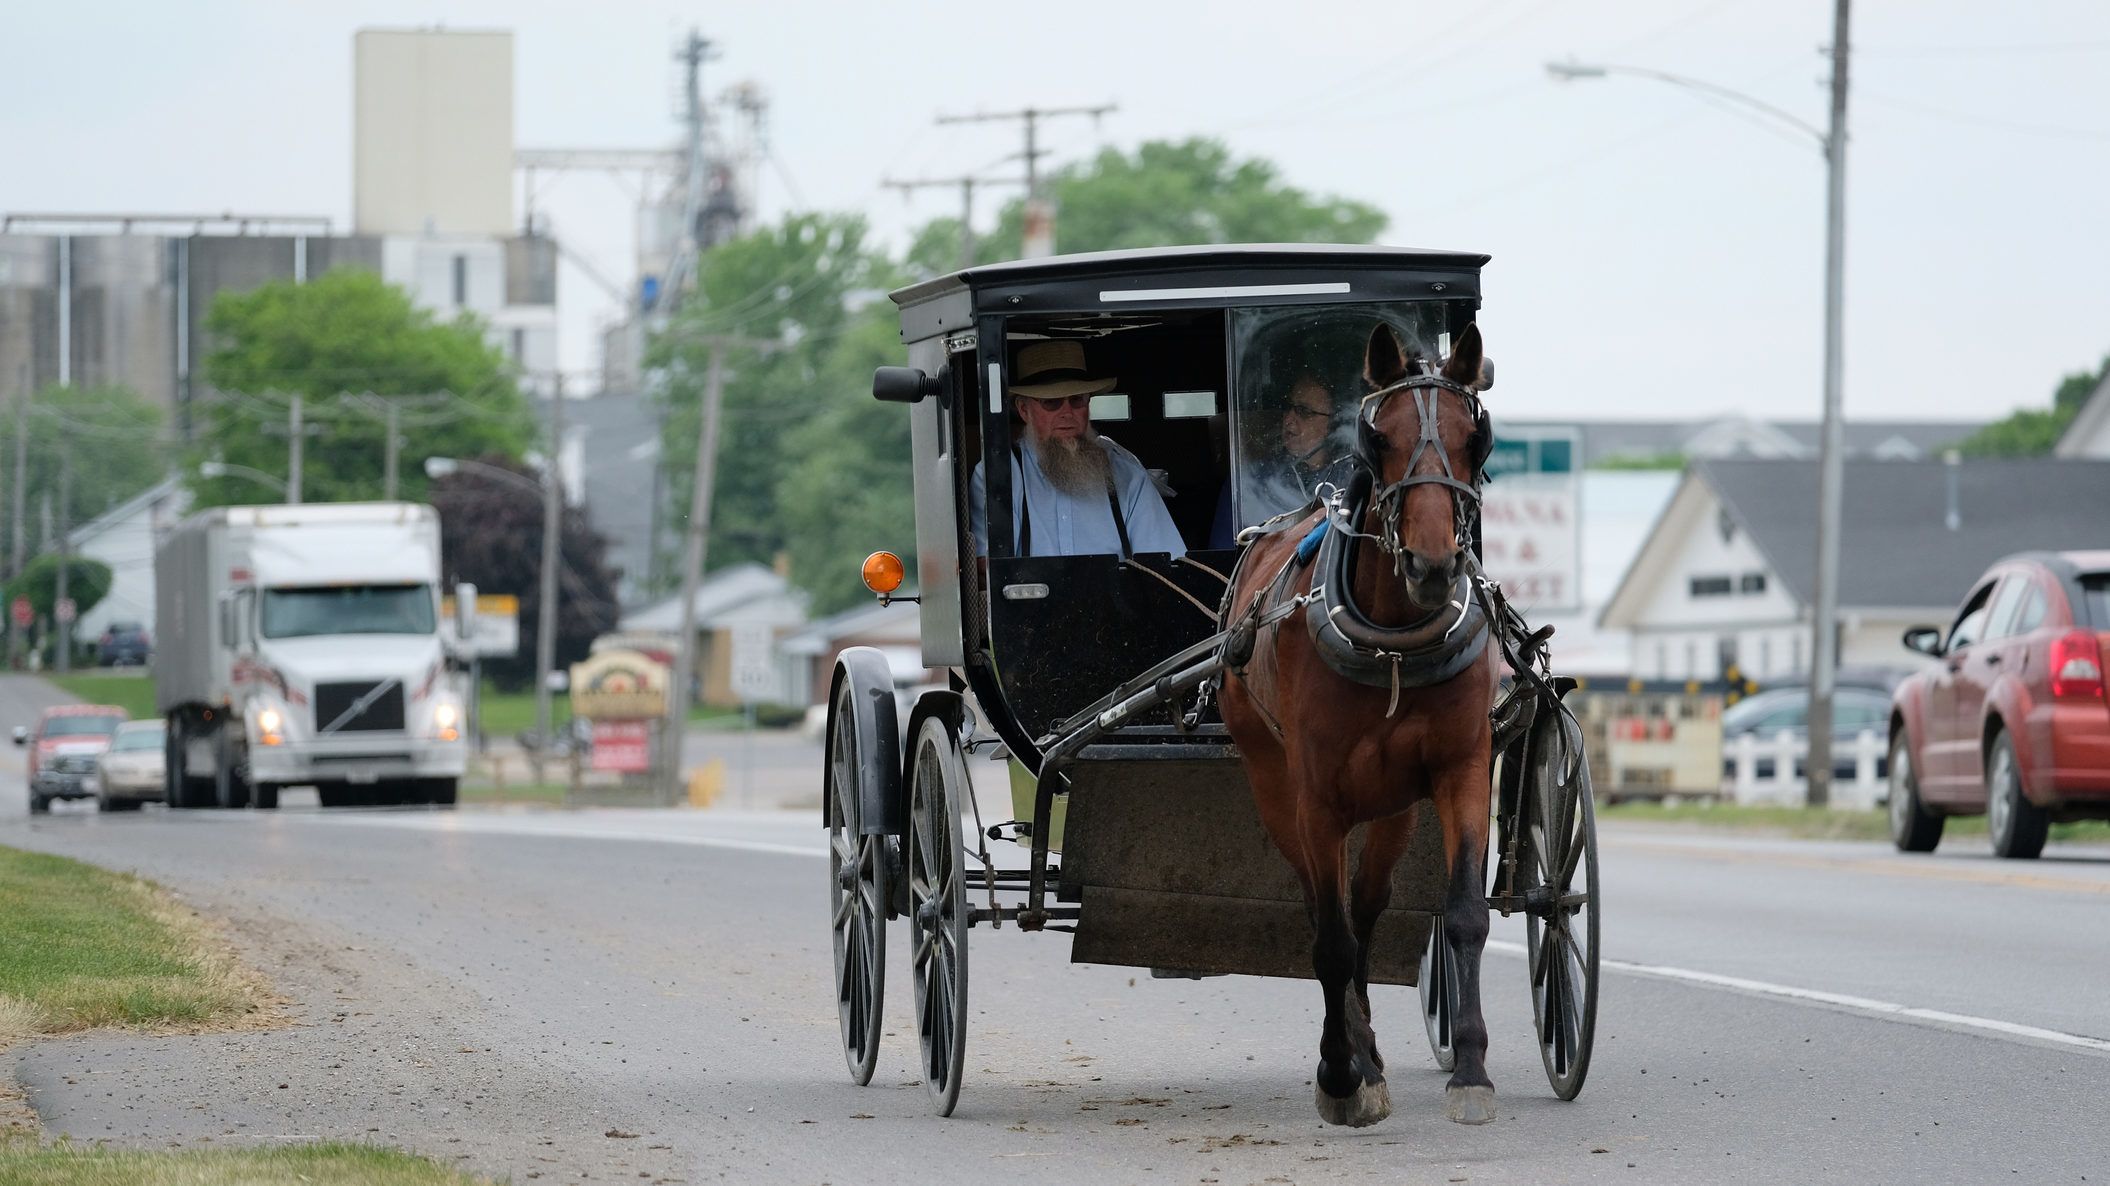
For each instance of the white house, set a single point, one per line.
(123, 538)
(1727, 575)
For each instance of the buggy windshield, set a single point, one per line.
(348, 609)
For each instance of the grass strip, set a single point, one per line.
(320, 1164)
(81, 947)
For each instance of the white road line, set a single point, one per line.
(1867, 1006)
(561, 827)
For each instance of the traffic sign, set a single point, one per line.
(24, 613)
(63, 610)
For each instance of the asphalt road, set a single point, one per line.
(508, 990)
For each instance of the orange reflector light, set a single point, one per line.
(882, 572)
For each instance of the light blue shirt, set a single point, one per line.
(1079, 524)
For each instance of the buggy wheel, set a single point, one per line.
(1439, 994)
(857, 894)
(1559, 867)
(938, 910)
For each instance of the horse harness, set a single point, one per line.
(1423, 653)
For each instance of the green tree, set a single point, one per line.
(2035, 432)
(87, 583)
(113, 444)
(846, 492)
(348, 343)
(1166, 193)
(789, 289)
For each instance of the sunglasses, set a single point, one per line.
(1066, 401)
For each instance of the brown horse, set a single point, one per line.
(1326, 753)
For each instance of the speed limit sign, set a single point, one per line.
(64, 610)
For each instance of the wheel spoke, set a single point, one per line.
(845, 906)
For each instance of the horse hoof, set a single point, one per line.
(1469, 1105)
(1371, 1103)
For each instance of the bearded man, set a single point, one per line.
(1073, 492)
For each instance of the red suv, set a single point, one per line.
(2013, 721)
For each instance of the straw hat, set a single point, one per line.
(1056, 370)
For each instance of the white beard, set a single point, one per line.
(1074, 465)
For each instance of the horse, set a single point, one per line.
(1328, 752)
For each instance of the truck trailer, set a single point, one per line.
(301, 646)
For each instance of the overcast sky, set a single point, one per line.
(1654, 255)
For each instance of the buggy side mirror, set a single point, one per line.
(902, 385)
(1924, 639)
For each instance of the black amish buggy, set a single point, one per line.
(1096, 678)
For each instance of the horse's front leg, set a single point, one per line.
(1462, 805)
(1350, 1087)
(1384, 843)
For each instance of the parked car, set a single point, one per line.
(2013, 722)
(124, 644)
(1769, 713)
(133, 770)
(63, 746)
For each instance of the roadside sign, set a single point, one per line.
(23, 612)
(63, 610)
(1531, 516)
(618, 686)
(624, 747)
(494, 627)
(754, 674)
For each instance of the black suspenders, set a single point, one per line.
(1025, 509)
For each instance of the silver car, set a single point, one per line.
(131, 771)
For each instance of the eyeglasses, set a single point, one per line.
(1065, 401)
(1304, 413)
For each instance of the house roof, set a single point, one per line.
(1896, 548)
(2091, 425)
(720, 597)
(136, 505)
(1741, 436)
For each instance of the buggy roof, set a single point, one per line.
(1189, 277)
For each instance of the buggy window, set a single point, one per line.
(1298, 387)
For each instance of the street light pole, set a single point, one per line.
(1824, 652)
(1830, 466)
(546, 615)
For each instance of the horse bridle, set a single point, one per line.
(1390, 500)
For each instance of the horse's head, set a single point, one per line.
(1424, 436)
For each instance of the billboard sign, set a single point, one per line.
(1531, 517)
(494, 628)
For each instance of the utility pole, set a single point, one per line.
(697, 547)
(60, 618)
(967, 185)
(546, 612)
(296, 437)
(1039, 236)
(21, 494)
(1830, 467)
(389, 450)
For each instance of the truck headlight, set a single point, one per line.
(270, 726)
(446, 720)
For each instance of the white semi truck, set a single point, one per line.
(301, 646)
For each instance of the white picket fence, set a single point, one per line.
(1769, 769)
